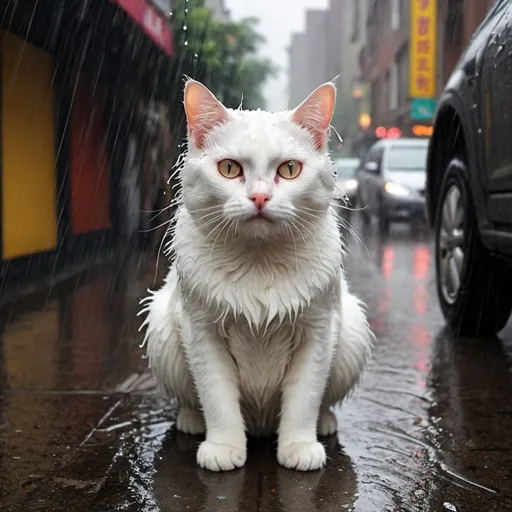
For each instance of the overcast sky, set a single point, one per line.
(279, 19)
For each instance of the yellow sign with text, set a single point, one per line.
(422, 53)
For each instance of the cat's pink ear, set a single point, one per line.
(204, 111)
(315, 113)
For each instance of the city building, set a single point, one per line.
(298, 81)
(410, 50)
(353, 102)
(384, 61)
(310, 64)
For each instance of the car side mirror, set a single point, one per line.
(372, 167)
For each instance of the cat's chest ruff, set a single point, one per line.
(259, 290)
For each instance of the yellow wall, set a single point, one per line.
(29, 204)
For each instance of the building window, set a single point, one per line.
(395, 15)
(402, 64)
(393, 87)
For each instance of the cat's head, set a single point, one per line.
(257, 174)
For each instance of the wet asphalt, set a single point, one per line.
(82, 427)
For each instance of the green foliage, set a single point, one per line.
(221, 55)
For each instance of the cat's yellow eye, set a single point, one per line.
(230, 168)
(290, 169)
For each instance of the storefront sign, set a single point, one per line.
(423, 109)
(422, 64)
(154, 24)
(421, 130)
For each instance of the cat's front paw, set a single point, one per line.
(190, 421)
(220, 456)
(301, 456)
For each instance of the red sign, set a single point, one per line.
(152, 22)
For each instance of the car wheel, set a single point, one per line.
(473, 286)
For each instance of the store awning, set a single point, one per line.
(154, 24)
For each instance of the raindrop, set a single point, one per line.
(449, 506)
(195, 55)
(186, 43)
(184, 27)
(499, 50)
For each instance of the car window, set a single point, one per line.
(406, 158)
(378, 156)
(346, 169)
(371, 156)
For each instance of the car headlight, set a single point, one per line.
(394, 189)
(350, 185)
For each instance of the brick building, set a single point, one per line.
(384, 58)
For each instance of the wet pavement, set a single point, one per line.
(83, 428)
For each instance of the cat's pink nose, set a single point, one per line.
(259, 200)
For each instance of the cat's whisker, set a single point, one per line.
(303, 238)
(233, 222)
(345, 224)
(304, 222)
(158, 256)
(197, 222)
(287, 226)
(301, 223)
(155, 228)
(199, 210)
(218, 226)
(175, 245)
(225, 224)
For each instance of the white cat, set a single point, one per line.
(255, 328)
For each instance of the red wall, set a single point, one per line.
(90, 166)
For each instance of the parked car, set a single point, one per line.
(345, 193)
(392, 181)
(469, 182)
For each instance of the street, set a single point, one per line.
(83, 428)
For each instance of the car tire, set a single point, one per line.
(481, 303)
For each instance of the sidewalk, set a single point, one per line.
(82, 427)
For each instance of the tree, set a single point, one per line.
(221, 55)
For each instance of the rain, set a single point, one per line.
(93, 145)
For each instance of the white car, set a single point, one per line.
(391, 181)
